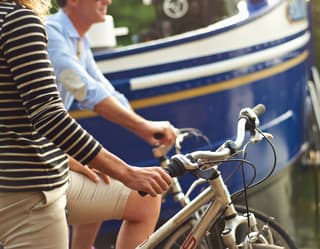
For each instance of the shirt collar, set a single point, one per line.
(69, 27)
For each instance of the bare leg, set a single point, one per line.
(139, 220)
(89, 203)
(84, 235)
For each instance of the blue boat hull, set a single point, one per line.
(207, 88)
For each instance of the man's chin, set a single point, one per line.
(102, 17)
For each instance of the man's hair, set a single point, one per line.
(61, 3)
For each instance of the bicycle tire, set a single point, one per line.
(280, 236)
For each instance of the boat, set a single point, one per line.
(199, 65)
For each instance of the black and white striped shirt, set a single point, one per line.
(35, 128)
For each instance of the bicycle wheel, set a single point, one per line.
(213, 239)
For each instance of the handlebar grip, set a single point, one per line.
(174, 169)
(259, 109)
(142, 193)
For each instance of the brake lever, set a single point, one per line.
(258, 137)
(269, 136)
(160, 151)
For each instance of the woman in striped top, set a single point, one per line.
(36, 134)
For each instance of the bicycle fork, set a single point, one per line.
(221, 207)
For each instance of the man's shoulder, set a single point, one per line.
(54, 21)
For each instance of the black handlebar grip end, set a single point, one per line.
(158, 135)
(142, 193)
(259, 109)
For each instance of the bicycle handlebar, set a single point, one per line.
(248, 121)
(259, 109)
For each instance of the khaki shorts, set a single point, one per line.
(89, 202)
(32, 220)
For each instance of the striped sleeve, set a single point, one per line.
(24, 46)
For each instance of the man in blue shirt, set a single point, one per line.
(79, 78)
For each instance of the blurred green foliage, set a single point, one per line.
(136, 16)
(54, 6)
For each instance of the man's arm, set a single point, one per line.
(100, 94)
(112, 110)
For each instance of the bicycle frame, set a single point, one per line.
(217, 196)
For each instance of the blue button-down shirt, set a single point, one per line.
(78, 76)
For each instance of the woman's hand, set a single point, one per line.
(92, 174)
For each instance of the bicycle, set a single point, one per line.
(211, 220)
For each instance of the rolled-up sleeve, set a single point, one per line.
(71, 75)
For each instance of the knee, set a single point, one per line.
(154, 205)
(150, 207)
(142, 208)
